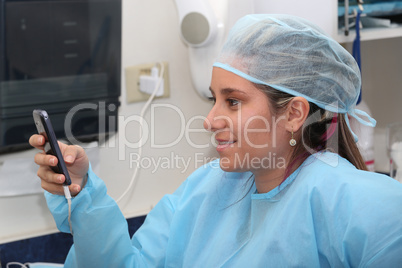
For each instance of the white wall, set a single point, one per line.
(150, 34)
(382, 79)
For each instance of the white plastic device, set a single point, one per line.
(148, 83)
(203, 27)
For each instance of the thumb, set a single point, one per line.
(73, 152)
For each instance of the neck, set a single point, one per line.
(268, 179)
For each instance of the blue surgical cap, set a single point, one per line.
(295, 56)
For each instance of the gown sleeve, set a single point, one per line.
(101, 237)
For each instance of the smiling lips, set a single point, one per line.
(222, 145)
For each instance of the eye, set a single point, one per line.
(212, 99)
(233, 102)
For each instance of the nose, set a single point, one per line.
(215, 120)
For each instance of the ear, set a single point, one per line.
(296, 113)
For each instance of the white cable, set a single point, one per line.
(16, 263)
(144, 109)
(35, 264)
(67, 194)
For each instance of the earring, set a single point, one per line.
(292, 141)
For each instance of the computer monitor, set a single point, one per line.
(63, 57)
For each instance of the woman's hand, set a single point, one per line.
(76, 161)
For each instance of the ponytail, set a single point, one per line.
(322, 131)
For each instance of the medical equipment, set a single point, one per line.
(394, 146)
(390, 10)
(203, 27)
(59, 55)
(365, 133)
(293, 55)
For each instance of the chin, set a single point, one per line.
(226, 168)
(229, 165)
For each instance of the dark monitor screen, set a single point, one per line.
(57, 55)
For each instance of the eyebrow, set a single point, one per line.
(227, 91)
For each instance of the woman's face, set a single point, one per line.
(248, 136)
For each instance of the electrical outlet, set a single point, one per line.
(133, 74)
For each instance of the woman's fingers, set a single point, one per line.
(52, 188)
(57, 189)
(70, 154)
(76, 161)
(37, 141)
(53, 182)
(48, 175)
(43, 159)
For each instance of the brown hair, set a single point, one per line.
(323, 130)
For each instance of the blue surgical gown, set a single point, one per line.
(326, 214)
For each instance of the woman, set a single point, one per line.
(289, 189)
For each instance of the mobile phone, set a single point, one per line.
(44, 127)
